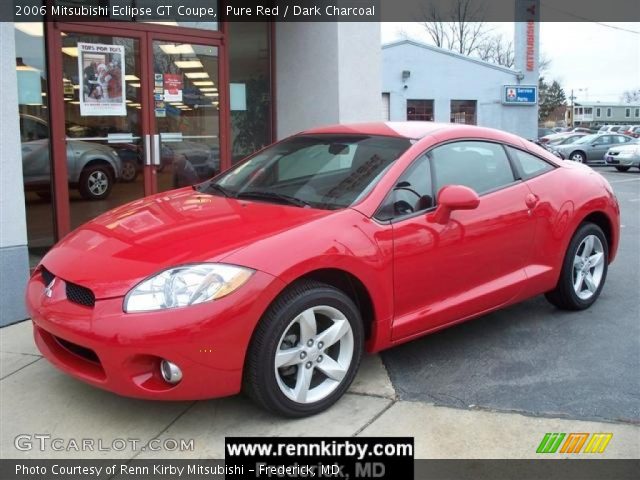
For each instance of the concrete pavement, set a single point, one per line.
(37, 399)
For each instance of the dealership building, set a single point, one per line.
(95, 115)
(424, 82)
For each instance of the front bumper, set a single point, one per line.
(121, 352)
(622, 160)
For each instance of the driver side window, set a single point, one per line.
(413, 192)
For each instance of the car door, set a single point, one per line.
(473, 262)
(600, 147)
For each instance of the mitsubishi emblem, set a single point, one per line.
(48, 290)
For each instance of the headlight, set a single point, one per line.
(186, 285)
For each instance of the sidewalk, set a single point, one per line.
(37, 399)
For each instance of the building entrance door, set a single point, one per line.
(137, 112)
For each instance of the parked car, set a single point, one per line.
(543, 132)
(566, 139)
(632, 131)
(203, 158)
(590, 147)
(583, 130)
(609, 128)
(623, 157)
(92, 168)
(560, 138)
(277, 274)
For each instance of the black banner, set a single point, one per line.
(209, 11)
(171, 469)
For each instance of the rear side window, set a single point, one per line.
(482, 166)
(530, 165)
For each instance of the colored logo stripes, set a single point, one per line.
(573, 442)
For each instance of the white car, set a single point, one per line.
(623, 157)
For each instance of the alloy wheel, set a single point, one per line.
(578, 157)
(588, 267)
(98, 182)
(314, 354)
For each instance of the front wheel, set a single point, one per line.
(622, 169)
(306, 350)
(584, 270)
(95, 182)
(578, 157)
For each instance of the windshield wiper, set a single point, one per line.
(213, 186)
(261, 194)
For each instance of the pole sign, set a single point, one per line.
(520, 95)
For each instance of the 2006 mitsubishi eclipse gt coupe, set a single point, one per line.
(276, 275)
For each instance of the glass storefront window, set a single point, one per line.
(34, 136)
(250, 87)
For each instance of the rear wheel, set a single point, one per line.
(129, 171)
(96, 182)
(584, 270)
(306, 350)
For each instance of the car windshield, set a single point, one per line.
(320, 171)
(586, 139)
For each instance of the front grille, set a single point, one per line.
(78, 350)
(47, 276)
(80, 295)
(614, 153)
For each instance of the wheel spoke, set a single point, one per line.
(577, 284)
(588, 247)
(303, 381)
(334, 333)
(308, 325)
(591, 284)
(596, 259)
(332, 369)
(290, 356)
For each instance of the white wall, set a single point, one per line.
(14, 261)
(443, 77)
(326, 73)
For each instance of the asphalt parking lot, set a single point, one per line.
(536, 360)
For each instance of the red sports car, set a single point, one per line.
(274, 276)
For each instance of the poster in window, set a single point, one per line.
(173, 85)
(101, 72)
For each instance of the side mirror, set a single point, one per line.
(453, 197)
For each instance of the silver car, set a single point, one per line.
(92, 168)
(590, 148)
(624, 157)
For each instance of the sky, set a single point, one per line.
(598, 61)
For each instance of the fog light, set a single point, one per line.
(170, 372)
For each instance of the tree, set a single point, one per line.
(550, 97)
(631, 96)
(454, 29)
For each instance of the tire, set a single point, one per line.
(280, 389)
(578, 156)
(129, 171)
(623, 169)
(568, 296)
(96, 182)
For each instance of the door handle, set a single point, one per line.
(531, 200)
(147, 149)
(156, 150)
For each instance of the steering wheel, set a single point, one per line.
(408, 190)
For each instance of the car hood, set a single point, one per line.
(629, 147)
(118, 249)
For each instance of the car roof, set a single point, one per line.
(412, 130)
